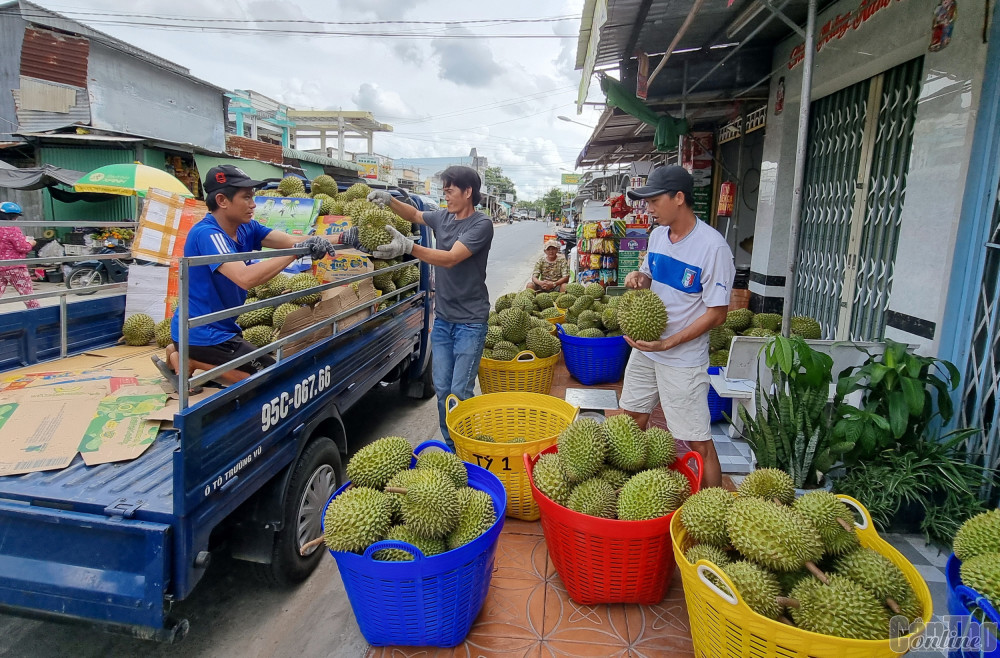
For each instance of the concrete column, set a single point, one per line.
(340, 137)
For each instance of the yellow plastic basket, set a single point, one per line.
(504, 416)
(723, 626)
(525, 374)
(559, 319)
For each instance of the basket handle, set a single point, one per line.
(699, 464)
(866, 519)
(451, 402)
(527, 353)
(704, 567)
(972, 599)
(432, 443)
(393, 543)
(559, 329)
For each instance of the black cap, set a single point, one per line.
(665, 180)
(228, 176)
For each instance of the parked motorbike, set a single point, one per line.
(90, 273)
(567, 236)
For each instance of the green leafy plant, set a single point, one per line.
(791, 429)
(903, 394)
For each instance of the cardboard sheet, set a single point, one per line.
(120, 429)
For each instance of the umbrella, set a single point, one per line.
(130, 180)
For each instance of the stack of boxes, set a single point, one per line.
(632, 247)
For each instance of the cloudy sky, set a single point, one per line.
(445, 89)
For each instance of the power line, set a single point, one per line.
(496, 105)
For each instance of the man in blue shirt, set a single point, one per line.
(228, 228)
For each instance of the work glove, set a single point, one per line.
(380, 198)
(319, 247)
(399, 245)
(350, 238)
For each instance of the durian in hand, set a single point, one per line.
(642, 315)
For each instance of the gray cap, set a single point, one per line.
(665, 180)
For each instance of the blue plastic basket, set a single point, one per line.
(431, 601)
(718, 405)
(962, 602)
(594, 360)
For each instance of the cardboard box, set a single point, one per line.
(332, 224)
(164, 224)
(347, 263)
(630, 258)
(627, 244)
(344, 298)
(147, 290)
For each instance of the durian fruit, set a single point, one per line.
(758, 588)
(594, 497)
(387, 288)
(278, 284)
(524, 301)
(911, 608)
(139, 329)
(487, 353)
(627, 445)
(162, 333)
(263, 291)
(550, 313)
(590, 333)
(290, 185)
(372, 237)
(652, 494)
(514, 323)
(609, 318)
(565, 300)
(719, 358)
(642, 315)
(704, 516)
(401, 533)
(768, 483)
(789, 579)
(258, 336)
(400, 480)
(661, 449)
(874, 572)
(268, 193)
(759, 332)
(979, 534)
(713, 554)
(774, 536)
(504, 301)
(582, 448)
(739, 319)
(356, 519)
(543, 300)
(324, 184)
(430, 504)
(304, 281)
(832, 518)
(298, 195)
(377, 462)
(408, 275)
(576, 289)
(542, 343)
(842, 609)
(494, 334)
(281, 314)
(613, 476)
(326, 203)
(485, 438)
(446, 462)
(494, 319)
(720, 338)
(805, 327)
(381, 280)
(982, 573)
(570, 329)
(769, 321)
(356, 192)
(505, 351)
(518, 439)
(582, 304)
(594, 290)
(589, 320)
(254, 318)
(476, 516)
(550, 478)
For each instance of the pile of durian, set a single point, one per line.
(590, 313)
(429, 506)
(613, 470)
(797, 560)
(744, 322)
(520, 323)
(977, 545)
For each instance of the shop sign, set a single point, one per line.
(941, 28)
(369, 166)
(840, 25)
(571, 179)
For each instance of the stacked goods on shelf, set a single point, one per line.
(597, 246)
(697, 159)
(632, 247)
(414, 534)
(766, 546)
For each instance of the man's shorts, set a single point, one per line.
(233, 348)
(682, 392)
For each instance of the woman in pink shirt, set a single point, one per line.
(13, 244)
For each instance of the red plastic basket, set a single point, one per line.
(607, 560)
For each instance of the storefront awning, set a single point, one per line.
(253, 168)
(37, 178)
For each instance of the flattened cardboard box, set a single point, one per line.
(121, 430)
(347, 263)
(337, 300)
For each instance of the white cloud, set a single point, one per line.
(465, 62)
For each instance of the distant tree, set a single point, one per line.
(552, 202)
(498, 184)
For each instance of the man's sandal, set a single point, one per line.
(173, 379)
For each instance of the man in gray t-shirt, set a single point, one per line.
(462, 302)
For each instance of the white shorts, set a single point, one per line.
(682, 392)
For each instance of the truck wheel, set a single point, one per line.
(423, 388)
(318, 473)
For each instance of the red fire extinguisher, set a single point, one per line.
(727, 198)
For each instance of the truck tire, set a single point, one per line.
(318, 473)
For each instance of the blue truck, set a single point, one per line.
(250, 467)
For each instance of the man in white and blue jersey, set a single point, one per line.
(690, 267)
(228, 228)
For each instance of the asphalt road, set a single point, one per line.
(230, 613)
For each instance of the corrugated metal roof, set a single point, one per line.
(319, 159)
(35, 121)
(56, 57)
